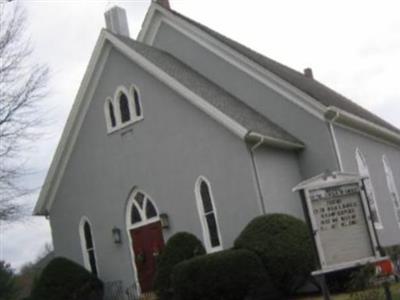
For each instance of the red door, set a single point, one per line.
(147, 243)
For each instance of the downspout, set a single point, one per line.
(253, 161)
(334, 140)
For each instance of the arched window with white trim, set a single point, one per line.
(136, 100)
(141, 209)
(364, 171)
(208, 215)
(88, 246)
(124, 109)
(109, 112)
(394, 195)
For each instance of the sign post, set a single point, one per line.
(338, 215)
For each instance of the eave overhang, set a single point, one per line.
(254, 138)
(339, 116)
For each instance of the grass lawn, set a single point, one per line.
(394, 287)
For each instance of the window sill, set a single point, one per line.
(124, 125)
(215, 249)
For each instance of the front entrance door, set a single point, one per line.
(147, 243)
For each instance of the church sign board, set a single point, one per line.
(338, 215)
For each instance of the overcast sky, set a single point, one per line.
(352, 46)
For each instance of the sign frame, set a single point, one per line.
(336, 179)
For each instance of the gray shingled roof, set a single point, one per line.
(209, 91)
(312, 87)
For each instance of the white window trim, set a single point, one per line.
(142, 211)
(85, 255)
(203, 222)
(130, 226)
(360, 159)
(117, 109)
(107, 114)
(135, 88)
(391, 185)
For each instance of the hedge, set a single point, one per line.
(285, 247)
(181, 246)
(225, 275)
(63, 279)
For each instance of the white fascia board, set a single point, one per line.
(159, 14)
(80, 107)
(345, 118)
(68, 137)
(146, 23)
(254, 137)
(196, 100)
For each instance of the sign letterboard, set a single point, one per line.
(338, 215)
(341, 224)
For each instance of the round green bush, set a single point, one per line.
(63, 279)
(181, 246)
(285, 247)
(227, 275)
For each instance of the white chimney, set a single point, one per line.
(116, 21)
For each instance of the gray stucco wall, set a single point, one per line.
(163, 155)
(279, 172)
(319, 152)
(373, 150)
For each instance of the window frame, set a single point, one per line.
(142, 211)
(132, 91)
(362, 163)
(115, 101)
(107, 114)
(391, 185)
(203, 214)
(85, 250)
(128, 104)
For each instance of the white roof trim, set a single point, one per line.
(158, 14)
(255, 137)
(342, 117)
(196, 100)
(64, 148)
(84, 97)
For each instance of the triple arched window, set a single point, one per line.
(394, 194)
(364, 172)
(88, 247)
(208, 215)
(123, 109)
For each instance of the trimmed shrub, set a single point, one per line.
(285, 247)
(181, 246)
(226, 275)
(63, 279)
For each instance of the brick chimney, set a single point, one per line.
(308, 73)
(163, 3)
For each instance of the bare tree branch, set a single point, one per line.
(22, 88)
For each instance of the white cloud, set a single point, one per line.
(353, 46)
